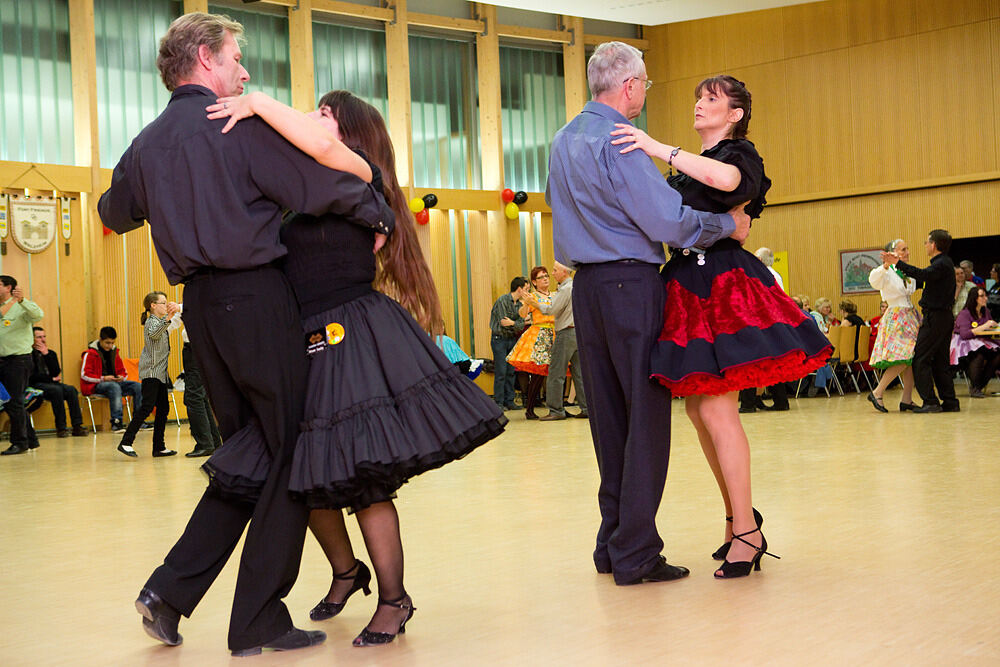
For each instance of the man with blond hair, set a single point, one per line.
(611, 214)
(214, 204)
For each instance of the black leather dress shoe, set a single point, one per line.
(552, 417)
(33, 444)
(79, 430)
(661, 571)
(199, 452)
(13, 449)
(581, 415)
(746, 410)
(924, 409)
(163, 452)
(159, 619)
(289, 641)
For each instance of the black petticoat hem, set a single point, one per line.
(379, 444)
(375, 482)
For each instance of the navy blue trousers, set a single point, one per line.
(618, 310)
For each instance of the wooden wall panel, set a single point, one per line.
(771, 120)
(952, 96)
(695, 47)
(814, 233)
(818, 125)
(810, 28)
(753, 37)
(879, 20)
(995, 71)
(934, 15)
(885, 114)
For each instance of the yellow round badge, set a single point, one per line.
(334, 333)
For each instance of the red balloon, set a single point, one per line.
(423, 217)
(507, 195)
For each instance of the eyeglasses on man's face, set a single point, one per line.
(646, 82)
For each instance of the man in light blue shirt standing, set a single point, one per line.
(611, 213)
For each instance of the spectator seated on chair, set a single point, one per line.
(456, 355)
(971, 344)
(46, 377)
(103, 373)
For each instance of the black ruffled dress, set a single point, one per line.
(383, 402)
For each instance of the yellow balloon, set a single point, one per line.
(511, 211)
(416, 204)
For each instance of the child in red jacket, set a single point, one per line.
(104, 373)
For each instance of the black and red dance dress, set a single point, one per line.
(727, 324)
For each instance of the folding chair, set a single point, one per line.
(102, 397)
(835, 339)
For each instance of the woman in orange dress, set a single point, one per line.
(533, 349)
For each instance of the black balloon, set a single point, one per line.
(430, 200)
(520, 197)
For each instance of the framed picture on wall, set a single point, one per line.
(855, 265)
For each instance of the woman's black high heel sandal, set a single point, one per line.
(369, 638)
(723, 551)
(362, 578)
(742, 568)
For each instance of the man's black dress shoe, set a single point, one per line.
(79, 430)
(552, 417)
(13, 449)
(661, 571)
(289, 641)
(199, 452)
(747, 410)
(951, 408)
(62, 433)
(924, 409)
(159, 619)
(581, 415)
(163, 452)
(33, 444)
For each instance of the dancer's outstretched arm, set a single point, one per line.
(299, 129)
(714, 174)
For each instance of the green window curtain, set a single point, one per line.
(36, 85)
(130, 93)
(533, 108)
(265, 51)
(445, 119)
(346, 58)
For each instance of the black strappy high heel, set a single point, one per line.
(723, 551)
(742, 568)
(369, 638)
(362, 578)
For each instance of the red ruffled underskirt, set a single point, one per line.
(688, 317)
(759, 373)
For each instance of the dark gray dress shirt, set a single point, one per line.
(216, 200)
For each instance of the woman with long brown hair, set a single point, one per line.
(383, 404)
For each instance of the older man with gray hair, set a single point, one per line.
(214, 203)
(766, 257)
(611, 214)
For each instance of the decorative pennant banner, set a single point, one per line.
(33, 224)
(3, 215)
(67, 224)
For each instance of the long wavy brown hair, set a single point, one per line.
(401, 271)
